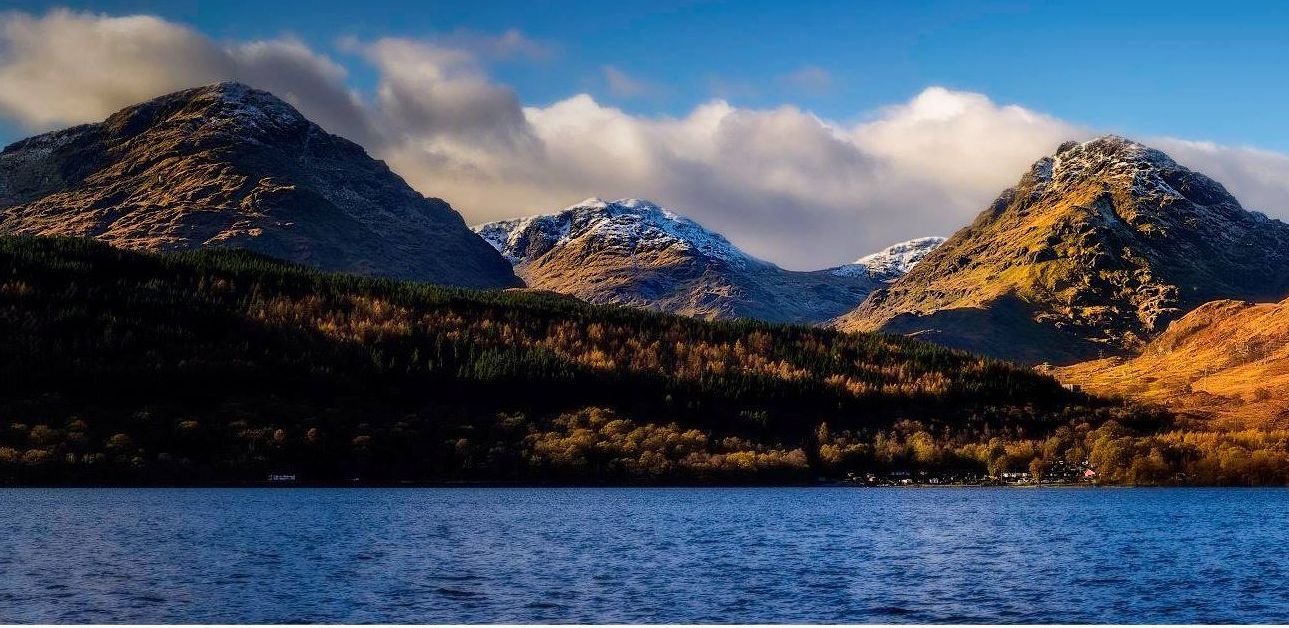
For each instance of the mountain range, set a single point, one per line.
(633, 252)
(1133, 274)
(233, 167)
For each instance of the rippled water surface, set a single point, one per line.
(643, 555)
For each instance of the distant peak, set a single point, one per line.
(236, 90)
(631, 208)
(1109, 158)
(636, 203)
(1107, 140)
(592, 202)
(233, 89)
(625, 222)
(597, 203)
(235, 93)
(226, 92)
(894, 260)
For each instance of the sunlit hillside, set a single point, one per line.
(1226, 364)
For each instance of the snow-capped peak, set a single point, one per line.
(628, 224)
(1144, 170)
(894, 260)
(593, 202)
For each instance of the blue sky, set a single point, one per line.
(809, 133)
(1200, 70)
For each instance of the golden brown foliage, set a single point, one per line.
(1226, 363)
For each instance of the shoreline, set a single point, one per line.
(538, 485)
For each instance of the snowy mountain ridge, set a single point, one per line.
(626, 224)
(893, 261)
(634, 252)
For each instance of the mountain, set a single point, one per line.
(1226, 361)
(1093, 252)
(894, 261)
(230, 166)
(633, 252)
(212, 366)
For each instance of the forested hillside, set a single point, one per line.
(224, 366)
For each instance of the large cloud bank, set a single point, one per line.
(782, 183)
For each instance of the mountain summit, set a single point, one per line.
(894, 261)
(1093, 252)
(633, 252)
(626, 225)
(226, 165)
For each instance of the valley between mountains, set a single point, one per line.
(209, 288)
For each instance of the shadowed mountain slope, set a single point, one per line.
(229, 166)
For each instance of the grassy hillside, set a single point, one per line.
(126, 367)
(1225, 365)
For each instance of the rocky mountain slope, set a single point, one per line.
(230, 166)
(1095, 250)
(1226, 360)
(633, 252)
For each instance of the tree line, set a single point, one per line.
(122, 367)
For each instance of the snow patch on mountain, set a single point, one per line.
(1147, 172)
(627, 224)
(890, 263)
(247, 106)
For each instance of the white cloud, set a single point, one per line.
(448, 129)
(961, 143)
(783, 183)
(66, 68)
(790, 186)
(69, 67)
(430, 93)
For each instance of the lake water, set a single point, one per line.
(644, 555)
